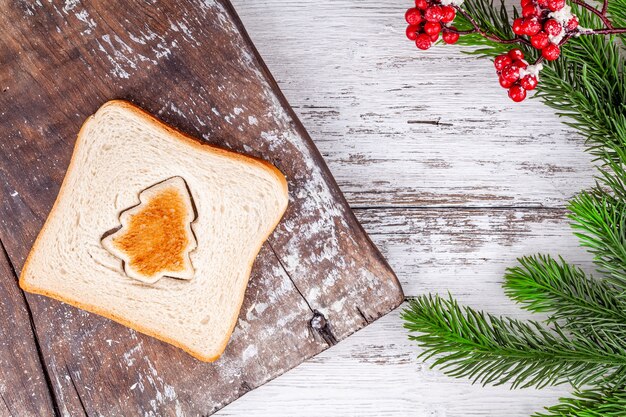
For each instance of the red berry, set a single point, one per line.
(551, 52)
(556, 5)
(413, 16)
(520, 64)
(433, 14)
(450, 37)
(540, 40)
(573, 23)
(517, 26)
(531, 26)
(434, 37)
(504, 83)
(517, 93)
(423, 41)
(421, 4)
(411, 32)
(552, 27)
(530, 10)
(515, 53)
(542, 3)
(529, 82)
(525, 3)
(510, 73)
(448, 14)
(432, 28)
(501, 61)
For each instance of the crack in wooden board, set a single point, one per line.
(191, 64)
(23, 386)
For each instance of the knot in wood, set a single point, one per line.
(318, 322)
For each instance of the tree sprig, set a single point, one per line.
(579, 302)
(583, 339)
(495, 350)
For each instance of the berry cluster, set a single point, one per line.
(427, 20)
(547, 23)
(515, 74)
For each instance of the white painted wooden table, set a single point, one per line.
(452, 180)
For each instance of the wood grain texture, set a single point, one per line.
(23, 386)
(399, 126)
(467, 251)
(430, 141)
(317, 280)
(375, 372)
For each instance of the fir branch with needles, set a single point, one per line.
(583, 339)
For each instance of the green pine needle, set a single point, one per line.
(604, 402)
(545, 285)
(600, 222)
(496, 350)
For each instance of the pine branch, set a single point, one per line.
(587, 83)
(495, 350)
(617, 12)
(601, 222)
(490, 18)
(612, 175)
(581, 303)
(602, 402)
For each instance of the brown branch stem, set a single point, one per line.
(611, 31)
(460, 32)
(595, 11)
(490, 36)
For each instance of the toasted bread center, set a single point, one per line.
(156, 237)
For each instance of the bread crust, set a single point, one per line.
(199, 146)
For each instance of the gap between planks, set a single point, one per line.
(40, 356)
(358, 207)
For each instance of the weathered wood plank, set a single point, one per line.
(24, 390)
(467, 250)
(189, 63)
(399, 126)
(374, 373)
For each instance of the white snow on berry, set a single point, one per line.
(562, 16)
(556, 39)
(451, 2)
(531, 70)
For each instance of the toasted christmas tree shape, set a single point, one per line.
(156, 237)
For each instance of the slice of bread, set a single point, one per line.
(107, 247)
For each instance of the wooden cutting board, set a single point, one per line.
(317, 280)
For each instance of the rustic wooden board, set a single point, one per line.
(23, 386)
(191, 64)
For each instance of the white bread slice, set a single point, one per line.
(120, 152)
(156, 237)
